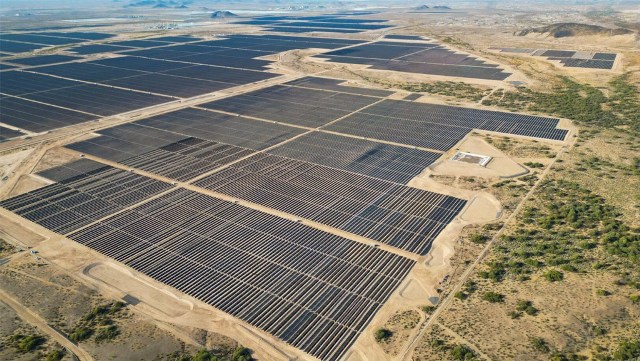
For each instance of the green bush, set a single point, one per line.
(460, 295)
(203, 355)
(80, 334)
(492, 297)
(30, 343)
(601, 292)
(526, 307)
(539, 344)
(461, 353)
(478, 238)
(382, 334)
(107, 333)
(55, 355)
(241, 353)
(428, 309)
(554, 276)
(627, 350)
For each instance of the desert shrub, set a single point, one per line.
(554, 276)
(526, 307)
(204, 355)
(539, 344)
(80, 334)
(492, 297)
(627, 350)
(241, 353)
(29, 343)
(107, 333)
(460, 295)
(55, 355)
(478, 238)
(461, 353)
(428, 309)
(382, 334)
(601, 292)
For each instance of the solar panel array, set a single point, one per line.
(439, 127)
(335, 85)
(389, 162)
(323, 23)
(312, 289)
(315, 102)
(81, 199)
(24, 42)
(8, 133)
(416, 57)
(571, 58)
(401, 216)
(293, 105)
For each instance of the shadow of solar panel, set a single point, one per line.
(38, 117)
(303, 281)
(79, 199)
(340, 199)
(384, 161)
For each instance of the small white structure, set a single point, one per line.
(481, 160)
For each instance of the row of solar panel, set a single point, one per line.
(278, 275)
(397, 215)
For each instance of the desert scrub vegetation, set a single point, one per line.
(100, 321)
(563, 230)
(237, 353)
(580, 102)
(458, 90)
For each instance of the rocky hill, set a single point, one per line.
(222, 14)
(562, 30)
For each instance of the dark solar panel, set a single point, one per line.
(302, 280)
(333, 84)
(38, 117)
(79, 200)
(17, 47)
(384, 161)
(44, 59)
(97, 48)
(7, 133)
(97, 99)
(403, 217)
